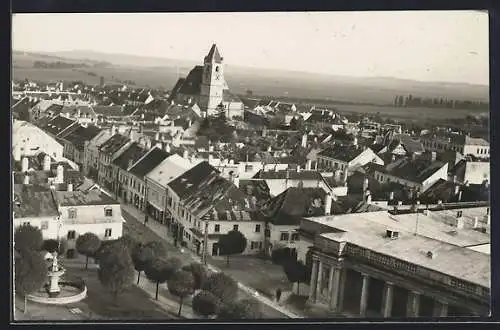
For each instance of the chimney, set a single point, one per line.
(185, 154)
(70, 187)
(148, 144)
(210, 148)
(26, 179)
(190, 122)
(298, 169)
(393, 158)
(158, 145)
(433, 156)
(46, 163)
(309, 164)
(400, 203)
(24, 165)
(414, 156)
(355, 141)
(236, 181)
(391, 195)
(328, 203)
(476, 222)
(167, 147)
(210, 158)
(365, 184)
(454, 179)
(193, 158)
(113, 129)
(460, 223)
(60, 174)
(304, 141)
(17, 153)
(269, 149)
(457, 189)
(157, 136)
(460, 196)
(369, 198)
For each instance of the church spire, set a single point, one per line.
(214, 55)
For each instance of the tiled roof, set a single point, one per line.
(257, 190)
(445, 191)
(58, 125)
(412, 170)
(192, 84)
(177, 87)
(132, 154)
(76, 198)
(342, 152)
(146, 164)
(82, 134)
(169, 169)
(113, 144)
(410, 144)
(292, 175)
(109, 111)
(214, 55)
(189, 182)
(55, 109)
(31, 201)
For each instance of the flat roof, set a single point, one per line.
(434, 234)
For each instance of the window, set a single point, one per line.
(257, 228)
(235, 227)
(217, 228)
(254, 245)
(295, 237)
(27, 223)
(107, 232)
(108, 212)
(284, 236)
(71, 234)
(72, 213)
(45, 225)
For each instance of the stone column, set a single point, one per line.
(334, 293)
(387, 299)
(340, 301)
(440, 309)
(314, 281)
(413, 305)
(330, 283)
(320, 280)
(364, 295)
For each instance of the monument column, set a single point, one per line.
(413, 305)
(364, 295)
(387, 299)
(314, 281)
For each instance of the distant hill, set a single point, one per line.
(155, 71)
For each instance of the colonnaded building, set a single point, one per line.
(435, 262)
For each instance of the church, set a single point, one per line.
(206, 87)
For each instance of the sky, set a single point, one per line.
(449, 46)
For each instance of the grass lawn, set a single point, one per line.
(134, 303)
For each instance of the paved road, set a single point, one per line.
(269, 308)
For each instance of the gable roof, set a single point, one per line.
(148, 162)
(31, 201)
(188, 183)
(291, 175)
(113, 144)
(192, 84)
(58, 124)
(342, 152)
(109, 111)
(132, 154)
(169, 169)
(412, 170)
(76, 198)
(82, 134)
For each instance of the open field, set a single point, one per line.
(278, 83)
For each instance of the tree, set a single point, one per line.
(206, 304)
(296, 272)
(181, 284)
(116, 270)
(231, 243)
(160, 270)
(223, 286)
(88, 244)
(143, 254)
(129, 242)
(31, 273)
(241, 309)
(200, 274)
(52, 245)
(28, 238)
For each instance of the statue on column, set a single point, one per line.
(55, 266)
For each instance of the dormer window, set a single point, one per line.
(71, 213)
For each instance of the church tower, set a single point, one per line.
(213, 83)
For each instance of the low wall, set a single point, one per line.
(62, 300)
